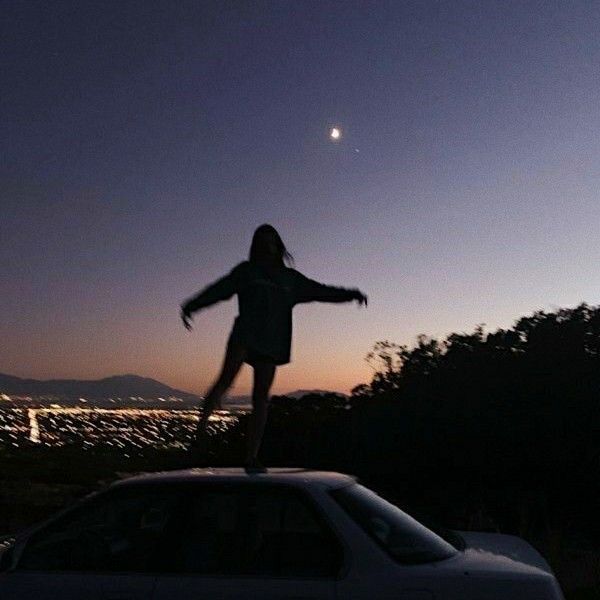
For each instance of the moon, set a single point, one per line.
(335, 133)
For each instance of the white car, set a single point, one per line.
(287, 533)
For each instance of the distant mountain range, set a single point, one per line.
(125, 387)
(118, 386)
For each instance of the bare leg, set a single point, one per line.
(234, 357)
(264, 373)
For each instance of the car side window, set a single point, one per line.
(119, 531)
(269, 531)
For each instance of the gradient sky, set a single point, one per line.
(142, 143)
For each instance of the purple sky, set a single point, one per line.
(143, 142)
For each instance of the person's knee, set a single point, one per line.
(223, 383)
(260, 396)
(219, 388)
(262, 384)
(215, 394)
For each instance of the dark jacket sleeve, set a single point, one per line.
(308, 290)
(221, 289)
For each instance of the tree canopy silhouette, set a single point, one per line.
(508, 419)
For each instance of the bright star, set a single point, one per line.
(335, 133)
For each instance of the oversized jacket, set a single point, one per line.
(266, 296)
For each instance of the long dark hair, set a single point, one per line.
(259, 250)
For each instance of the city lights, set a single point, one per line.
(125, 428)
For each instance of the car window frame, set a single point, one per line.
(90, 501)
(84, 504)
(334, 493)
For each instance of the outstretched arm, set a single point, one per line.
(308, 290)
(221, 289)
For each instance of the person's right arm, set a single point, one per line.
(221, 289)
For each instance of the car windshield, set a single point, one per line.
(404, 538)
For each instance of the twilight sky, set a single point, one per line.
(142, 143)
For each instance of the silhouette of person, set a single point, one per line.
(267, 289)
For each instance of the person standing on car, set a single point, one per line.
(267, 289)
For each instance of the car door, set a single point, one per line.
(250, 541)
(102, 550)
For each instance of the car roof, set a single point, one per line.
(290, 476)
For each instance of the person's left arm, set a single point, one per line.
(309, 290)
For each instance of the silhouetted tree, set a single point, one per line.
(507, 420)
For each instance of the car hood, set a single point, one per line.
(509, 546)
